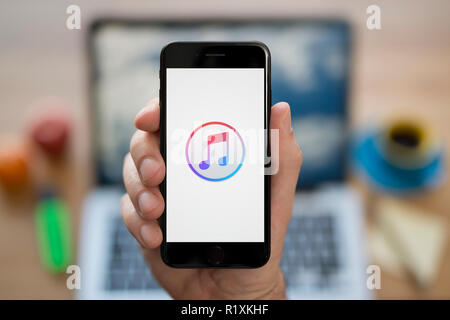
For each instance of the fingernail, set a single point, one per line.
(287, 116)
(147, 202)
(146, 235)
(148, 168)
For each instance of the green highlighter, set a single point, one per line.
(53, 232)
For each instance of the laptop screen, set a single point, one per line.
(310, 71)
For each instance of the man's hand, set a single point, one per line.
(144, 170)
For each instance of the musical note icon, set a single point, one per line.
(216, 138)
(219, 136)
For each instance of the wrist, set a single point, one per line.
(278, 291)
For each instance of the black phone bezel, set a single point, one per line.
(216, 55)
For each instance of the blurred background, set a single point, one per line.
(371, 112)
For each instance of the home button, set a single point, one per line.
(215, 255)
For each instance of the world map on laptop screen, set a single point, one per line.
(310, 71)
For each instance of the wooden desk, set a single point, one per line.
(403, 68)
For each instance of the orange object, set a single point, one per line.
(14, 172)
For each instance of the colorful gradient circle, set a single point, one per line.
(189, 142)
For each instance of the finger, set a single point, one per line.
(144, 149)
(147, 233)
(148, 202)
(148, 118)
(285, 180)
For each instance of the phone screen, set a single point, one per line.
(215, 154)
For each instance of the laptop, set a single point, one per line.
(323, 256)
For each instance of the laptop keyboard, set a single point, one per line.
(310, 256)
(127, 268)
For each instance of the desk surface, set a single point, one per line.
(403, 68)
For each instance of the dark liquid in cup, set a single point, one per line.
(406, 136)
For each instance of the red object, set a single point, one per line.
(51, 133)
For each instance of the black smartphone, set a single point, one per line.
(215, 100)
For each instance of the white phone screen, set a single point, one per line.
(215, 154)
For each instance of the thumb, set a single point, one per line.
(284, 181)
